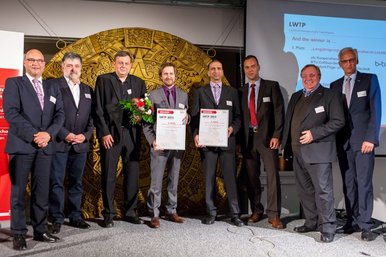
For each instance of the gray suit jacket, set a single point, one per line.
(324, 117)
(159, 100)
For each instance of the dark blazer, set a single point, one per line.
(269, 112)
(363, 118)
(77, 120)
(108, 112)
(324, 118)
(26, 118)
(159, 100)
(229, 100)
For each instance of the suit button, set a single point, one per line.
(77, 114)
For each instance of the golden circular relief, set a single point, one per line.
(151, 48)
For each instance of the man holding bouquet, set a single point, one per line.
(118, 136)
(167, 97)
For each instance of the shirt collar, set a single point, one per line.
(32, 78)
(308, 93)
(212, 84)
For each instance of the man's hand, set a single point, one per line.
(274, 143)
(42, 138)
(70, 138)
(230, 131)
(78, 139)
(107, 141)
(155, 146)
(367, 147)
(196, 142)
(306, 137)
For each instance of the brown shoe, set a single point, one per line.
(276, 222)
(255, 217)
(175, 218)
(154, 223)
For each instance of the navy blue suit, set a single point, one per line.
(70, 158)
(25, 117)
(363, 119)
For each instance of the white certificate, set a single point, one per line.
(171, 129)
(213, 127)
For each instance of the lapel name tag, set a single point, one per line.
(229, 103)
(88, 96)
(319, 109)
(52, 99)
(129, 91)
(361, 93)
(266, 99)
(181, 106)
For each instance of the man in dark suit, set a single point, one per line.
(118, 137)
(314, 116)
(34, 111)
(218, 96)
(72, 144)
(167, 97)
(357, 140)
(262, 107)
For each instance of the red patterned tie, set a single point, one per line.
(39, 92)
(252, 111)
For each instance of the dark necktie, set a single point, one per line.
(252, 111)
(39, 92)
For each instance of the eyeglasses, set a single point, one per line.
(312, 75)
(35, 60)
(351, 61)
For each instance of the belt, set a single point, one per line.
(254, 129)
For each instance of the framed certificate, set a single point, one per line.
(171, 129)
(213, 129)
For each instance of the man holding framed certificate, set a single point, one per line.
(170, 104)
(209, 102)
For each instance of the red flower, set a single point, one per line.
(141, 104)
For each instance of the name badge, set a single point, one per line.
(319, 109)
(266, 99)
(88, 96)
(229, 103)
(52, 99)
(361, 93)
(129, 91)
(181, 106)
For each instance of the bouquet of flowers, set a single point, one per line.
(140, 110)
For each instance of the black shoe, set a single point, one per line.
(133, 219)
(303, 229)
(19, 242)
(237, 221)
(46, 237)
(79, 224)
(209, 220)
(55, 228)
(348, 229)
(327, 237)
(368, 235)
(107, 223)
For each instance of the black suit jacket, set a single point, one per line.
(324, 117)
(77, 120)
(203, 99)
(108, 112)
(363, 118)
(25, 117)
(269, 112)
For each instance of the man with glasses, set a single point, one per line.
(357, 140)
(314, 116)
(34, 110)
